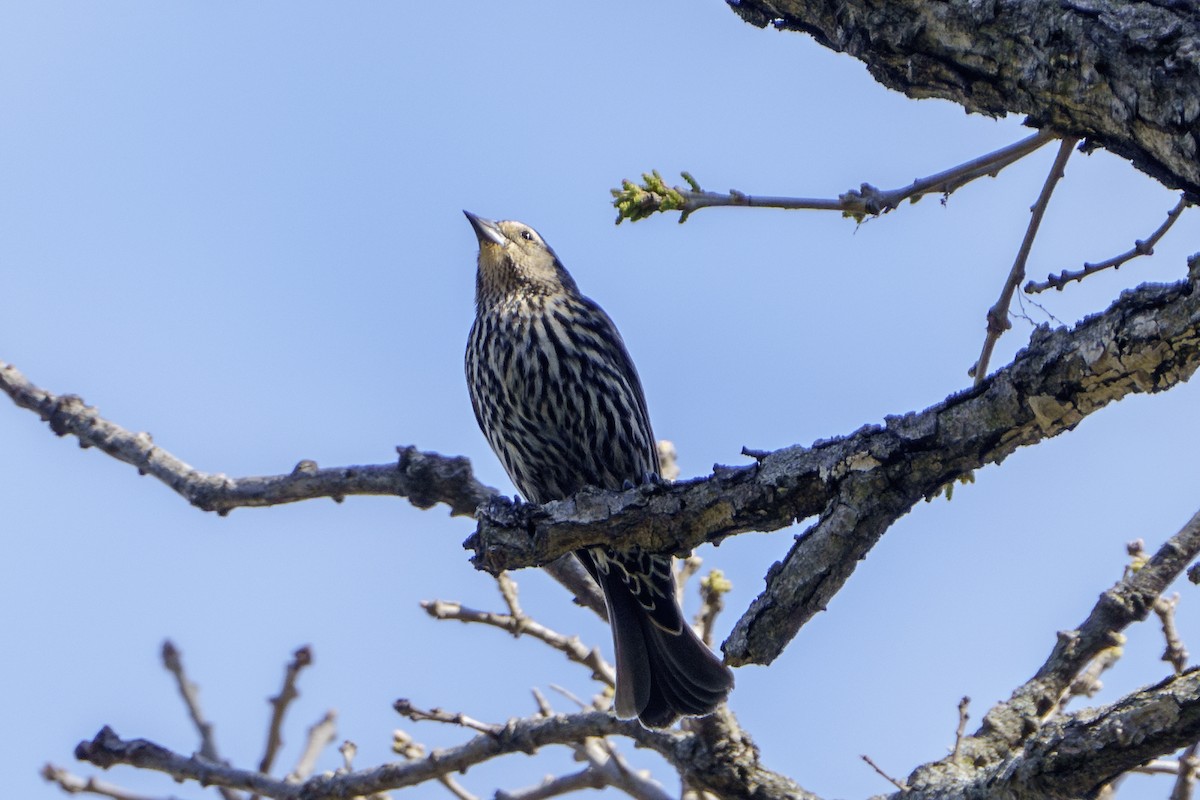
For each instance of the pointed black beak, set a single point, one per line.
(486, 230)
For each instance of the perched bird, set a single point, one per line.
(559, 400)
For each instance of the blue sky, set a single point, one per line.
(238, 227)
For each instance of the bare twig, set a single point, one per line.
(899, 784)
(1087, 683)
(279, 706)
(1129, 601)
(108, 749)
(1141, 247)
(320, 735)
(173, 662)
(508, 590)
(685, 568)
(668, 460)
(634, 202)
(556, 786)
(424, 478)
(1176, 653)
(962, 725)
(405, 708)
(713, 588)
(404, 745)
(571, 646)
(73, 784)
(1185, 777)
(576, 699)
(997, 316)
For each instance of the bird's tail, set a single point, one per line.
(664, 671)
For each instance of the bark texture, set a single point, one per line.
(1124, 76)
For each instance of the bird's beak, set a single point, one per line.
(486, 230)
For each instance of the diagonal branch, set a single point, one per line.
(1141, 247)
(520, 625)
(1146, 342)
(997, 316)
(173, 663)
(1130, 600)
(279, 706)
(1075, 755)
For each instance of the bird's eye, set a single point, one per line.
(527, 236)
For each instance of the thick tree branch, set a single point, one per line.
(1126, 76)
(1073, 756)
(1148, 341)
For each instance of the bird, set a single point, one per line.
(557, 396)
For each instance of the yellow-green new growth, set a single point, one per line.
(634, 202)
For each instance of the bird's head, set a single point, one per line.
(513, 257)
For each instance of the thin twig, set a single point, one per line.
(1087, 683)
(1159, 766)
(556, 786)
(518, 736)
(997, 316)
(73, 784)
(713, 588)
(405, 708)
(1185, 777)
(279, 706)
(685, 568)
(411, 750)
(424, 478)
(320, 735)
(509, 591)
(190, 692)
(635, 202)
(1176, 653)
(571, 646)
(899, 784)
(574, 698)
(1141, 247)
(1129, 601)
(962, 724)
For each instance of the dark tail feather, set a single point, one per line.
(661, 676)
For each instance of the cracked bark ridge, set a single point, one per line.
(1126, 76)
(1147, 341)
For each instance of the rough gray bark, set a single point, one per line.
(1124, 76)
(860, 484)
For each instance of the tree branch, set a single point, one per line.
(426, 479)
(1073, 756)
(1146, 342)
(1020, 742)
(521, 625)
(279, 706)
(524, 736)
(1141, 247)
(173, 663)
(997, 316)
(1123, 75)
(634, 202)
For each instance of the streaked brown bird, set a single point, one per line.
(559, 400)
